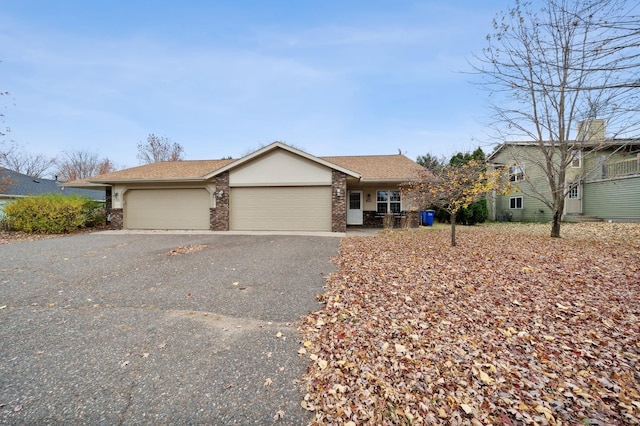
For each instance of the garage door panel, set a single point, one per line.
(167, 209)
(281, 208)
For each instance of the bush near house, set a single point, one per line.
(472, 215)
(53, 213)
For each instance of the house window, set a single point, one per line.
(516, 173)
(515, 202)
(573, 192)
(576, 157)
(388, 201)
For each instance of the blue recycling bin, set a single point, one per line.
(426, 217)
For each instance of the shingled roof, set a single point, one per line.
(166, 170)
(22, 185)
(379, 167)
(369, 167)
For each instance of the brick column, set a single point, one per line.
(117, 220)
(219, 216)
(338, 202)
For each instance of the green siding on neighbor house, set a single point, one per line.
(613, 199)
(533, 210)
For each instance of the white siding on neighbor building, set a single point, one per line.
(183, 208)
(302, 208)
(279, 168)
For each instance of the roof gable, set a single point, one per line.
(279, 145)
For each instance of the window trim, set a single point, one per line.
(513, 201)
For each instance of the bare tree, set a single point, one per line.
(82, 164)
(35, 165)
(548, 69)
(157, 149)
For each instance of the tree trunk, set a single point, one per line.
(453, 230)
(557, 215)
(555, 225)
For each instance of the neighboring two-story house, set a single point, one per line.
(602, 178)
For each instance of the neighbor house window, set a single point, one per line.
(515, 203)
(576, 157)
(516, 173)
(388, 201)
(573, 192)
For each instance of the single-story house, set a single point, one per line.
(14, 185)
(277, 187)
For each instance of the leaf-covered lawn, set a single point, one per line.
(509, 327)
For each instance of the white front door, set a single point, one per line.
(354, 209)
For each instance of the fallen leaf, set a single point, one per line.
(467, 408)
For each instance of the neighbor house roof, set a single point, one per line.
(21, 185)
(578, 145)
(366, 168)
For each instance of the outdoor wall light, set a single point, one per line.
(220, 193)
(116, 196)
(368, 198)
(338, 192)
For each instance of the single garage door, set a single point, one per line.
(167, 209)
(301, 208)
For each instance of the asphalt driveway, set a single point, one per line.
(157, 329)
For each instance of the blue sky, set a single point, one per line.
(226, 77)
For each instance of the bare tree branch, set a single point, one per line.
(81, 165)
(157, 149)
(35, 165)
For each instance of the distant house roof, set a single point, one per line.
(372, 168)
(21, 185)
(578, 145)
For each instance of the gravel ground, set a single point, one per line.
(157, 329)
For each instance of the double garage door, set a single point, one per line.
(251, 208)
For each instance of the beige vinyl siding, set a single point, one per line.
(613, 199)
(302, 208)
(167, 209)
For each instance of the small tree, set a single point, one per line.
(455, 186)
(82, 164)
(157, 149)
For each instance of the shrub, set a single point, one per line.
(53, 213)
(472, 215)
(475, 213)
